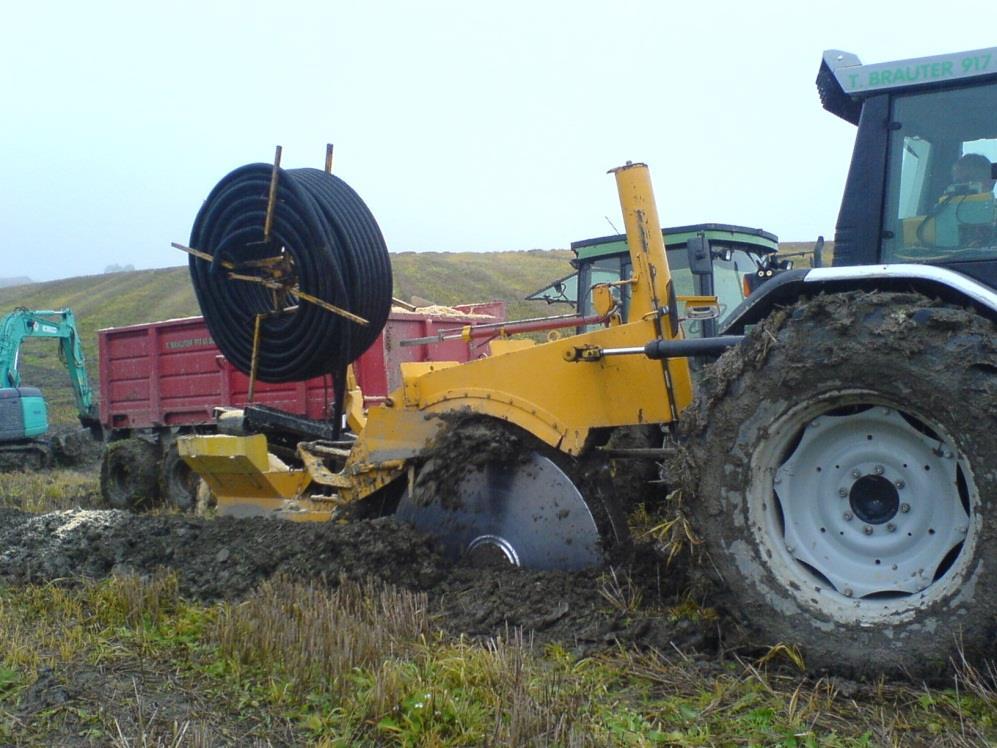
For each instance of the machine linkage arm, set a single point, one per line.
(659, 348)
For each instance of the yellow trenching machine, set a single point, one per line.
(554, 402)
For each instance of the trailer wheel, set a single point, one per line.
(177, 482)
(844, 478)
(128, 475)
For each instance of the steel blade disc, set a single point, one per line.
(530, 512)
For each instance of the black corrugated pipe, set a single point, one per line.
(338, 255)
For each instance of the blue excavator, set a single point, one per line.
(24, 424)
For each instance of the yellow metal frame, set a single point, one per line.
(537, 389)
(544, 389)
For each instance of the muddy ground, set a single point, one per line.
(227, 558)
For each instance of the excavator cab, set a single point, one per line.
(921, 183)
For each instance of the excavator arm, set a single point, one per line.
(23, 323)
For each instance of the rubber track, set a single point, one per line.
(339, 256)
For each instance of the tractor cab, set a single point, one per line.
(705, 259)
(921, 183)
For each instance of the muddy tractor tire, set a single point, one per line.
(177, 482)
(128, 475)
(841, 467)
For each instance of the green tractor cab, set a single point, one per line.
(705, 259)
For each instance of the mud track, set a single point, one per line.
(227, 558)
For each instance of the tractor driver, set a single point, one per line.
(972, 174)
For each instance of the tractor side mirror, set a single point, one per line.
(700, 260)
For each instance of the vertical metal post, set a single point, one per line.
(272, 197)
(255, 359)
(651, 274)
(328, 158)
(652, 294)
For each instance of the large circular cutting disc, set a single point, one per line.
(529, 513)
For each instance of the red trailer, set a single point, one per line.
(164, 378)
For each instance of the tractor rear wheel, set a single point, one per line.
(128, 474)
(842, 470)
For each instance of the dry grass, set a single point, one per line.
(361, 665)
(49, 490)
(315, 638)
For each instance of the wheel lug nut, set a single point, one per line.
(842, 492)
(948, 455)
(891, 527)
(905, 508)
(815, 422)
(867, 530)
(900, 484)
(878, 470)
(847, 592)
(856, 473)
(777, 480)
(789, 549)
(847, 516)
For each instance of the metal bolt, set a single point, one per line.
(878, 470)
(891, 527)
(789, 549)
(842, 492)
(847, 516)
(867, 530)
(949, 455)
(814, 422)
(900, 484)
(856, 473)
(847, 592)
(777, 479)
(905, 508)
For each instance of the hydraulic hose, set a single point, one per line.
(336, 252)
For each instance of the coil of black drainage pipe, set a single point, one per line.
(338, 255)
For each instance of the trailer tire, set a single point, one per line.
(177, 482)
(841, 467)
(128, 475)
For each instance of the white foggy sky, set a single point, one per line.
(463, 125)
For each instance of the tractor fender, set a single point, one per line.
(932, 281)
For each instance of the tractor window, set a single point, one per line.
(728, 280)
(604, 270)
(940, 202)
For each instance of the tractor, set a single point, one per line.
(838, 461)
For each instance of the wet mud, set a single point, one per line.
(227, 558)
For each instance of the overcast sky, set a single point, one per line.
(463, 125)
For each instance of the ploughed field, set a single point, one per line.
(163, 629)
